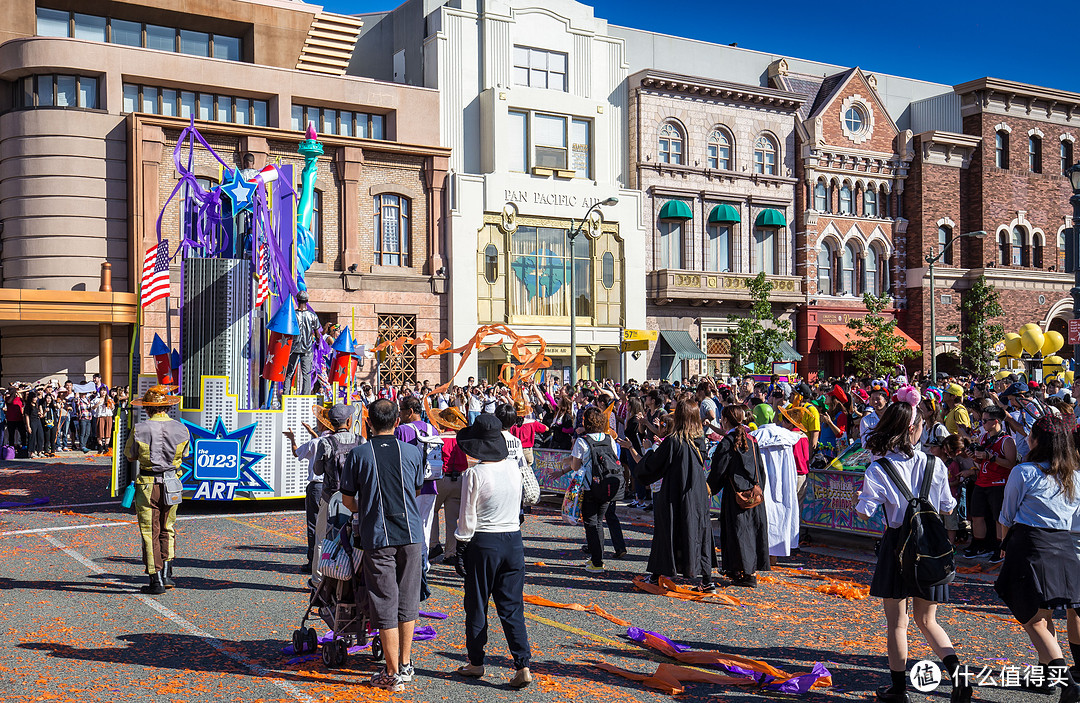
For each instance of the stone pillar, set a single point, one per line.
(435, 169)
(105, 342)
(349, 162)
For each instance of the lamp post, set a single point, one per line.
(1073, 173)
(572, 235)
(931, 260)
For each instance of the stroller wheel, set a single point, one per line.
(297, 641)
(311, 639)
(330, 654)
(376, 648)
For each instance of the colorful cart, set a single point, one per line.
(831, 495)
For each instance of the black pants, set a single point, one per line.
(311, 507)
(36, 443)
(50, 439)
(591, 515)
(17, 433)
(495, 564)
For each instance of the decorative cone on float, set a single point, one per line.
(162, 362)
(284, 328)
(345, 362)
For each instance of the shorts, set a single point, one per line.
(951, 521)
(392, 579)
(985, 502)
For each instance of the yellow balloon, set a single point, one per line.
(1031, 337)
(1052, 341)
(1001, 374)
(1013, 347)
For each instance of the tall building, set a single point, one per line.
(98, 94)
(534, 107)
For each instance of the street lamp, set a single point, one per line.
(933, 299)
(1073, 172)
(572, 234)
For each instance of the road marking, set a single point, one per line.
(169, 614)
(58, 507)
(264, 529)
(88, 526)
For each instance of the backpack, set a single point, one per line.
(334, 463)
(607, 472)
(924, 551)
(431, 446)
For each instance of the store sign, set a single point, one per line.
(537, 197)
(1074, 331)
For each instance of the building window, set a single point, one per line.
(873, 259)
(671, 144)
(491, 264)
(75, 25)
(883, 202)
(944, 235)
(397, 369)
(1066, 152)
(541, 274)
(821, 197)
(518, 146)
(204, 106)
(870, 203)
(845, 200)
(392, 233)
(855, 119)
(824, 269)
(1019, 240)
(718, 248)
(765, 250)
(553, 142)
(671, 232)
(317, 232)
(57, 91)
(1037, 250)
(607, 270)
(847, 271)
(719, 150)
(345, 123)
(537, 68)
(1003, 249)
(1001, 149)
(1034, 154)
(765, 152)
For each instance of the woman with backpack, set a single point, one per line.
(596, 456)
(892, 442)
(1041, 571)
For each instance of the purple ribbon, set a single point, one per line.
(638, 635)
(433, 615)
(321, 359)
(204, 205)
(13, 504)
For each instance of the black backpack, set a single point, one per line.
(607, 472)
(334, 463)
(923, 550)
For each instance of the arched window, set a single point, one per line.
(719, 150)
(718, 248)
(607, 270)
(944, 235)
(671, 233)
(883, 202)
(870, 203)
(392, 233)
(1037, 250)
(1019, 241)
(1061, 250)
(1001, 149)
(873, 263)
(1066, 155)
(845, 200)
(491, 263)
(847, 271)
(1034, 154)
(1003, 249)
(824, 270)
(765, 250)
(765, 153)
(671, 144)
(821, 197)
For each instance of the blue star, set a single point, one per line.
(240, 192)
(249, 480)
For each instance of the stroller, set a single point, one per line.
(340, 599)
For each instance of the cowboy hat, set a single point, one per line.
(484, 439)
(158, 397)
(796, 415)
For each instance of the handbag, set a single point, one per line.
(754, 496)
(173, 488)
(338, 561)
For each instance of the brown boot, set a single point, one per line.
(521, 679)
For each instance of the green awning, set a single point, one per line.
(788, 353)
(682, 344)
(725, 215)
(770, 218)
(675, 210)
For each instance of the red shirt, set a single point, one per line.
(801, 450)
(992, 473)
(527, 432)
(14, 412)
(454, 459)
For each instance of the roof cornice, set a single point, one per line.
(1012, 88)
(723, 90)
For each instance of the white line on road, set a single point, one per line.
(169, 614)
(58, 507)
(65, 528)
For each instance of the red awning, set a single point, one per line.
(832, 338)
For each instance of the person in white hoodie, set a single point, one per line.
(776, 442)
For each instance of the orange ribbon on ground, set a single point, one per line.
(590, 608)
(832, 587)
(669, 678)
(668, 588)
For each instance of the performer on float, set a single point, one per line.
(303, 348)
(158, 443)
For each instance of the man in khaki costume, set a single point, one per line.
(158, 443)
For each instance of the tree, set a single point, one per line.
(758, 335)
(876, 349)
(978, 336)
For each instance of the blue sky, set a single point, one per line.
(945, 42)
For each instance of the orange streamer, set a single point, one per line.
(669, 678)
(832, 587)
(668, 588)
(590, 608)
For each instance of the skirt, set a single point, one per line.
(1041, 570)
(888, 582)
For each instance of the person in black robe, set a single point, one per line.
(744, 532)
(682, 535)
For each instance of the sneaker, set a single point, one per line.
(706, 588)
(620, 555)
(997, 557)
(647, 506)
(387, 681)
(406, 672)
(652, 579)
(585, 548)
(977, 550)
(589, 566)
(633, 504)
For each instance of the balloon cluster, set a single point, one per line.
(1031, 340)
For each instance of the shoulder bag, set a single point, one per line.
(754, 496)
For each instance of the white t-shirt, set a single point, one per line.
(490, 499)
(475, 403)
(879, 490)
(513, 445)
(581, 451)
(867, 424)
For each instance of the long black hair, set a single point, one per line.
(892, 434)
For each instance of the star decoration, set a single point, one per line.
(240, 192)
(249, 480)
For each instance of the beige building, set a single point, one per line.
(97, 95)
(714, 161)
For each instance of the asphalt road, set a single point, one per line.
(77, 629)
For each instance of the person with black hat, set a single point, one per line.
(158, 444)
(491, 556)
(303, 347)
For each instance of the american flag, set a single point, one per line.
(262, 273)
(155, 274)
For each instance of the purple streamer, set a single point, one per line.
(433, 615)
(802, 683)
(638, 635)
(13, 504)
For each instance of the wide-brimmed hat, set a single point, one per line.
(796, 415)
(484, 439)
(158, 397)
